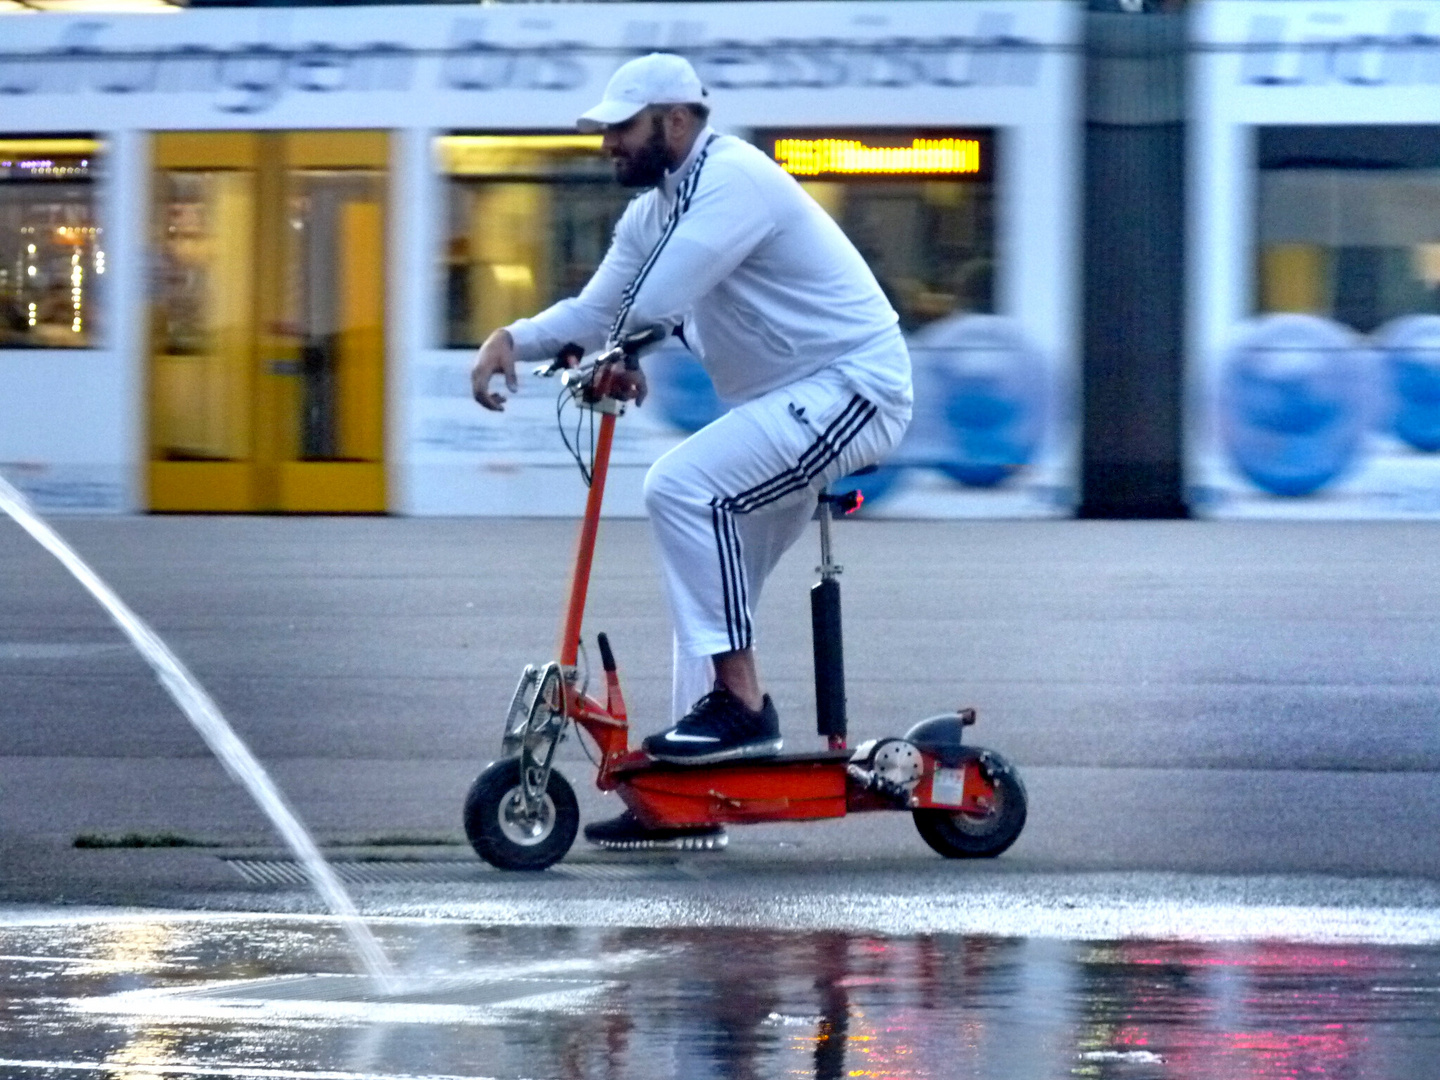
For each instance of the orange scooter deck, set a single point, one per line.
(788, 787)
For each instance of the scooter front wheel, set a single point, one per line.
(961, 834)
(511, 836)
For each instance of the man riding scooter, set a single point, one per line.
(724, 248)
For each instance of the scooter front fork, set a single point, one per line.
(518, 715)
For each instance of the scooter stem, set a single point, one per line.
(568, 646)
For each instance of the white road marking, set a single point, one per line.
(1079, 907)
(972, 913)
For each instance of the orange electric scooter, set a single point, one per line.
(521, 813)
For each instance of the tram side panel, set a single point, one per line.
(1315, 286)
(240, 365)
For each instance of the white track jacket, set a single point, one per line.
(765, 286)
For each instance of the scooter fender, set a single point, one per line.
(942, 737)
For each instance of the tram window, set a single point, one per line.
(919, 206)
(51, 253)
(1349, 222)
(528, 219)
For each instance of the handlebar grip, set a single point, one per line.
(568, 357)
(631, 344)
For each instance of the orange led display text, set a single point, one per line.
(818, 157)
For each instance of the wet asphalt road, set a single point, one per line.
(1185, 697)
(165, 996)
(1228, 732)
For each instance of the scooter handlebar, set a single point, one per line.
(581, 377)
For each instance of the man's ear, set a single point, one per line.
(677, 123)
(680, 129)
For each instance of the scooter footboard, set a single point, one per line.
(774, 789)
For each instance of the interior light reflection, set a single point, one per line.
(462, 155)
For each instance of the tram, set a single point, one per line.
(246, 254)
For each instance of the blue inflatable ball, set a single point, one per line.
(982, 393)
(1410, 347)
(680, 388)
(1296, 397)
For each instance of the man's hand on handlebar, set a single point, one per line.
(626, 384)
(624, 380)
(496, 356)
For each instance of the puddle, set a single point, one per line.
(149, 996)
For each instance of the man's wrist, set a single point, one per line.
(525, 341)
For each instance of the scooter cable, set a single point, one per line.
(574, 449)
(580, 738)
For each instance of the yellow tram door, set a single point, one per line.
(267, 369)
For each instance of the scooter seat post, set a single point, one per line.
(828, 568)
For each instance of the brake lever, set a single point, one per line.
(568, 357)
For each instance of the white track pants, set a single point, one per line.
(730, 500)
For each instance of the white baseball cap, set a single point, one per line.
(657, 79)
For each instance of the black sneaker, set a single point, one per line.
(718, 728)
(626, 833)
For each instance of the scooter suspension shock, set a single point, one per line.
(825, 631)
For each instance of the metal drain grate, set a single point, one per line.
(355, 872)
(436, 871)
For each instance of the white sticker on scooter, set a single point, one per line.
(948, 787)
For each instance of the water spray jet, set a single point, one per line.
(205, 716)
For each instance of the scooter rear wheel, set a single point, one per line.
(960, 834)
(504, 835)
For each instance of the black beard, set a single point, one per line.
(646, 168)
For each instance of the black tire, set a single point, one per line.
(499, 839)
(968, 836)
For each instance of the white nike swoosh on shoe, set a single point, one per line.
(675, 736)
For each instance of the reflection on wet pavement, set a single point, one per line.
(143, 997)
